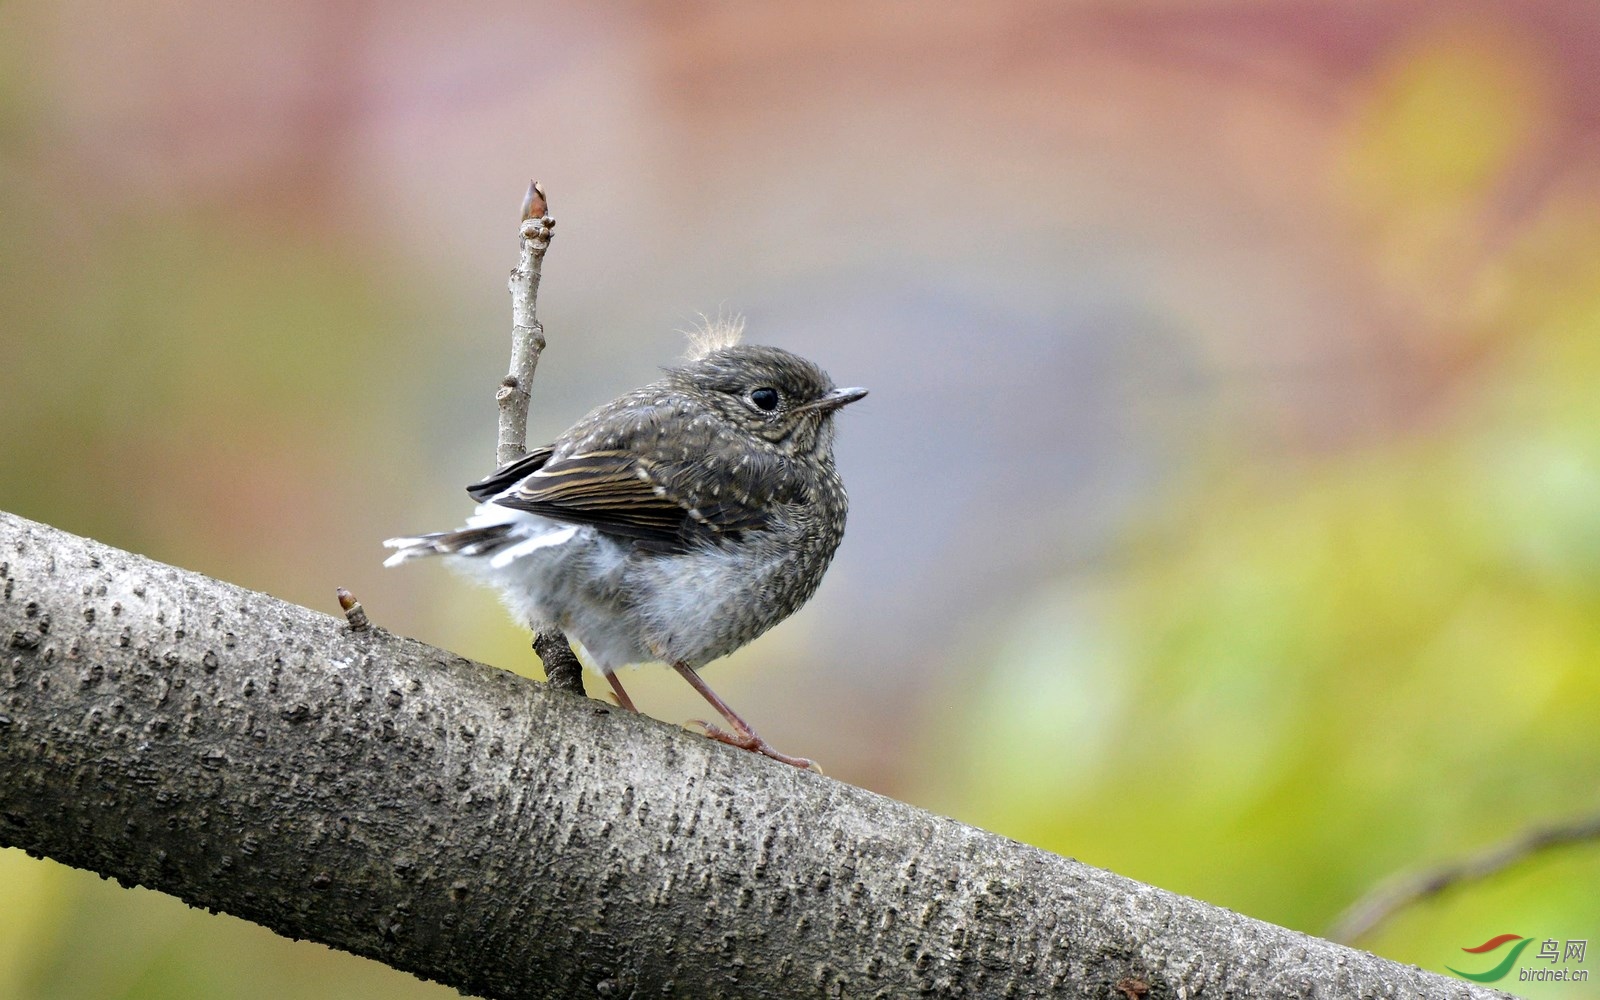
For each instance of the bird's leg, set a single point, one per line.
(742, 736)
(622, 696)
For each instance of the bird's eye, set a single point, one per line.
(765, 398)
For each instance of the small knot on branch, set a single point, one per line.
(354, 614)
(1133, 989)
(536, 233)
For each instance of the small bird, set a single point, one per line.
(675, 523)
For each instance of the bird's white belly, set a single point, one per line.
(622, 606)
(568, 575)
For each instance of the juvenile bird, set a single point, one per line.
(675, 523)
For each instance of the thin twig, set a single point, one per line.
(527, 334)
(561, 667)
(1402, 891)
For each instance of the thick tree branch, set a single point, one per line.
(457, 821)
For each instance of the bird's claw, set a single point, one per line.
(747, 740)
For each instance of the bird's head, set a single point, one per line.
(769, 393)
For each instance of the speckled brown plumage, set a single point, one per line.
(675, 523)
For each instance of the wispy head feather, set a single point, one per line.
(712, 335)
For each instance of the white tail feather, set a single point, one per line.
(410, 548)
(505, 557)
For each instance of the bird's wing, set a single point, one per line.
(623, 494)
(507, 475)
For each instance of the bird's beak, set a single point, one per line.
(835, 399)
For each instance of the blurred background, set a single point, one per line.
(1226, 511)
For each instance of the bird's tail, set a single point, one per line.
(474, 541)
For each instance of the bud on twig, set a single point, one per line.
(354, 613)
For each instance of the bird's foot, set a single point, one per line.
(747, 739)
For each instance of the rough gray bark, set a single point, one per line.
(470, 826)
